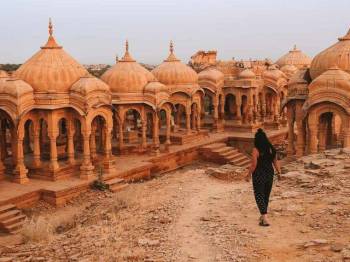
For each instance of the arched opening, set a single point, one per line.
(194, 116)
(230, 107)
(132, 127)
(7, 145)
(180, 116)
(97, 138)
(329, 131)
(207, 116)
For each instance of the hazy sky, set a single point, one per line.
(94, 31)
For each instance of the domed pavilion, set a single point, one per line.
(318, 102)
(48, 108)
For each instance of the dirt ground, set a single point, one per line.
(187, 215)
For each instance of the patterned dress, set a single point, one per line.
(262, 181)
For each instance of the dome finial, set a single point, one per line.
(171, 56)
(50, 27)
(295, 47)
(171, 47)
(127, 57)
(126, 45)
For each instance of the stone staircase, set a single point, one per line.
(116, 184)
(222, 154)
(11, 219)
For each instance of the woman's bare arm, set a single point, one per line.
(276, 163)
(255, 156)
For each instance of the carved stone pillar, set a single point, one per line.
(144, 134)
(53, 153)
(20, 172)
(313, 138)
(198, 121)
(346, 134)
(86, 169)
(300, 148)
(36, 149)
(216, 112)
(168, 130)
(107, 162)
(188, 121)
(70, 143)
(2, 166)
(93, 142)
(121, 136)
(156, 133)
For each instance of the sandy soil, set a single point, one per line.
(188, 215)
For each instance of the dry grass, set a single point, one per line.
(42, 228)
(37, 230)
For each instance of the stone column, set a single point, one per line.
(198, 121)
(168, 129)
(121, 136)
(36, 149)
(216, 112)
(93, 142)
(53, 153)
(70, 144)
(263, 107)
(2, 166)
(107, 162)
(20, 172)
(144, 134)
(300, 148)
(86, 169)
(313, 138)
(346, 134)
(188, 121)
(156, 133)
(291, 138)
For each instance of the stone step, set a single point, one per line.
(15, 228)
(230, 153)
(214, 146)
(114, 181)
(242, 162)
(6, 208)
(222, 150)
(118, 187)
(13, 220)
(9, 214)
(237, 158)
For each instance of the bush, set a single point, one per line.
(37, 230)
(99, 184)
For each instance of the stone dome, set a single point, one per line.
(333, 78)
(127, 76)
(173, 72)
(51, 70)
(274, 73)
(298, 84)
(3, 74)
(15, 87)
(289, 70)
(212, 74)
(247, 74)
(335, 55)
(89, 83)
(155, 87)
(294, 57)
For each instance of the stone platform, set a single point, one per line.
(128, 167)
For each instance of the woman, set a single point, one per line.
(264, 158)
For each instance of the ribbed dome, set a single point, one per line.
(336, 55)
(51, 69)
(88, 83)
(274, 73)
(15, 87)
(333, 78)
(3, 74)
(247, 74)
(212, 74)
(155, 87)
(298, 84)
(173, 72)
(127, 76)
(294, 57)
(289, 70)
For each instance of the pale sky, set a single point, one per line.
(94, 31)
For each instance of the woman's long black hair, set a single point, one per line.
(262, 143)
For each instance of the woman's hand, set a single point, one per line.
(248, 177)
